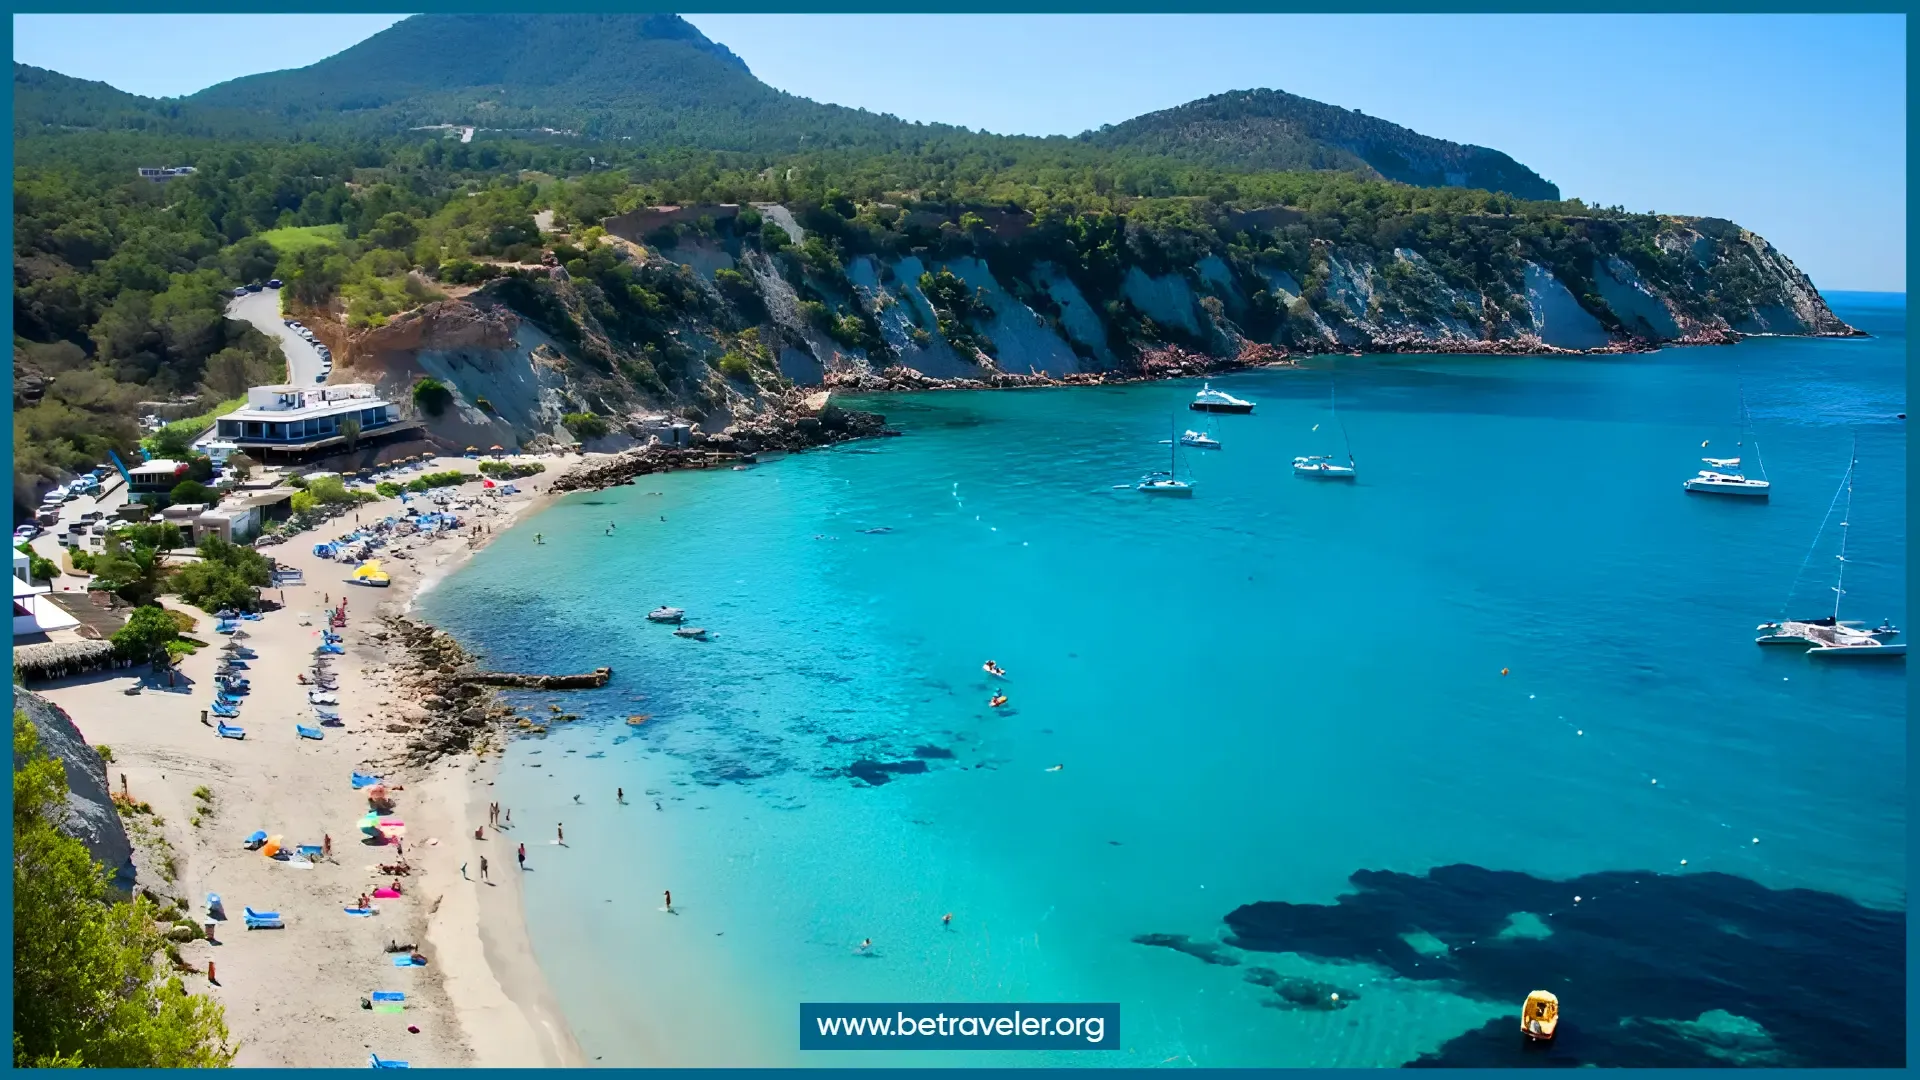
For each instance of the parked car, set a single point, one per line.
(241, 291)
(254, 286)
(25, 533)
(273, 283)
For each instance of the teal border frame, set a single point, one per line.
(1381, 7)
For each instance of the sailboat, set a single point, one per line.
(1322, 466)
(1829, 635)
(1166, 483)
(1722, 476)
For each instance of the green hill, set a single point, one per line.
(1262, 130)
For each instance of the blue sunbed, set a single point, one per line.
(224, 711)
(256, 838)
(229, 731)
(309, 732)
(389, 995)
(264, 920)
(377, 1062)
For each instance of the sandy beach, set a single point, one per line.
(293, 996)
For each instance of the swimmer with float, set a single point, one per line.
(999, 699)
(994, 669)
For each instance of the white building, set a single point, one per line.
(32, 612)
(294, 419)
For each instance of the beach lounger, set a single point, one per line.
(228, 711)
(235, 665)
(312, 851)
(306, 732)
(250, 616)
(228, 731)
(362, 912)
(378, 1062)
(334, 650)
(264, 920)
(255, 839)
(361, 780)
(321, 699)
(325, 715)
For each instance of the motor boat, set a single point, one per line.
(1200, 439)
(1540, 1016)
(1211, 400)
(1321, 467)
(697, 633)
(1714, 482)
(665, 614)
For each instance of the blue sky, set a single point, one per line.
(1794, 126)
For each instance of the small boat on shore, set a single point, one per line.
(1211, 400)
(665, 614)
(1540, 1016)
(369, 573)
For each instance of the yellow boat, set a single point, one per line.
(636, 721)
(1540, 1016)
(370, 573)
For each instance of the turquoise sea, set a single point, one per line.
(1370, 739)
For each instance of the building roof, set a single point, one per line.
(158, 467)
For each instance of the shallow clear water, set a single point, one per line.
(1255, 693)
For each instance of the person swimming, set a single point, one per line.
(998, 700)
(992, 668)
(867, 944)
(1055, 768)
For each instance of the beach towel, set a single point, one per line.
(360, 911)
(385, 894)
(390, 1008)
(389, 995)
(311, 850)
(403, 961)
(308, 732)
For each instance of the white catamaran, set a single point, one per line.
(1829, 635)
(1722, 476)
(1322, 466)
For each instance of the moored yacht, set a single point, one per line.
(1321, 467)
(666, 614)
(1200, 439)
(1715, 482)
(1211, 400)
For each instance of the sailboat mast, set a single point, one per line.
(1333, 402)
(1840, 579)
(1746, 421)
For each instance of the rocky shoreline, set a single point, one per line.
(449, 702)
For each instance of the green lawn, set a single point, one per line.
(193, 426)
(300, 238)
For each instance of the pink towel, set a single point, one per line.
(385, 894)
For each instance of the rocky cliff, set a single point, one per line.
(717, 323)
(92, 818)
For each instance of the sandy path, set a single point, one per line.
(292, 996)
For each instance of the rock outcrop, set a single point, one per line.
(91, 818)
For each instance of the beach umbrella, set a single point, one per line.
(488, 483)
(272, 846)
(473, 449)
(497, 448)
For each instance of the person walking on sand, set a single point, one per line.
(620, 796)
(523, 856)
(326, 845)
(669, 893)
(560, 831)
(483, 868)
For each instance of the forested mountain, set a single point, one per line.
(1258, 130)
(1248, 222)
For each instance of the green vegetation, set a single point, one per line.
(227, 576)
(327, 491)
(511, 470)
(432, 396)
(586, 425)
(189, 491)
(387, 489)
(148, 632)
(295, 239)
(438, 479)
(175, 439)
(39, 567)
(88, 986)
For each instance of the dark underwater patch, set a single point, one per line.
(1651, 970)
(880, 772)
(1294, 992)
(932, 752)
(1204, 951)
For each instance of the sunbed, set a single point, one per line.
(264, 920)
(306, 732)
(229, 731)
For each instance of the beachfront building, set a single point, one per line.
(163, 173)
(240, 518)
(152, 480)
(33, 613)
(288, 423)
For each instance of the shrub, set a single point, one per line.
(189, 491)
(586, 425)
(438, 479)
(301, 503)
(39, 567)
(735, 366)
(508, 470)
(148, 631)
(387, 489)
(432, 396)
